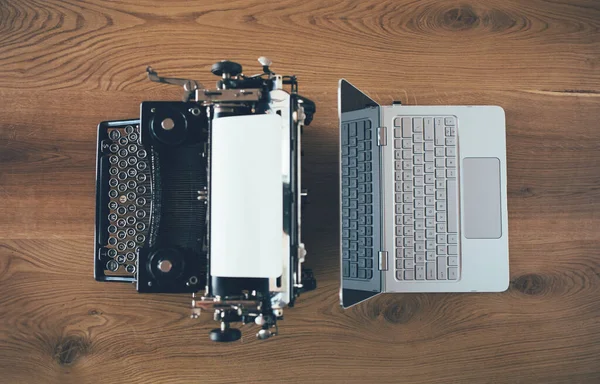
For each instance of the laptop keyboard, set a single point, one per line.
(357, 200)
(426, 198)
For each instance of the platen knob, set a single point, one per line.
(226, 67)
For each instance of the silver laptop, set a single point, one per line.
(422, 198)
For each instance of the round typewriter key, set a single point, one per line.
(129, 129)
(131, 184)
(113, 182)
(123, 152)
(112, 217)
(141, 190)
(133, 136)
(112, 205)
(121, 210)
(122, 187)
(113, 159)
(140, 238)
(130, 256)
(140, 201)
(112, 229)
(122, 163)
(142, 165)
(132, 172)
(141, 177)
(132, 148)
(113, 171)
(132, 160)
(122, 175)
(112, 265)
(131, 244)
(112, 252)
(140, 226)
(131, 195)
(121, 258)
(142, 153)
(121, 223)
(114, 148)
(130, 268)
(112, 240)
(131, 231)
(131, 207)
(114, 135)
(140, 214)
(112, 193)
(121, 247)
(121, 235)
(123, 141)
(131, 220)
(122, 199)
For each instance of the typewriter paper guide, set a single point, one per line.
(246, 202)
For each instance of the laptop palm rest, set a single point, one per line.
(482, 210)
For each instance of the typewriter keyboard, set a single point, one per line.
(129, 199)
(357, 200)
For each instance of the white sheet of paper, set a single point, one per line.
(246, 198)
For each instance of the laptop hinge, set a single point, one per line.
(383, 260)
(382, 136)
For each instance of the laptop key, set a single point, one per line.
(441, 268)
(353, 270)
(452, 273)
(400, 275)
(420, 272)
(406, 127)
(439, 135)
(430, 270)
(417, 124)
(361, 274)
(452, 211)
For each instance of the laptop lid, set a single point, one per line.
(360, 198)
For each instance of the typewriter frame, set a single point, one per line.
(235, 94)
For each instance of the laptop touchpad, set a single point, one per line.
(481, 192)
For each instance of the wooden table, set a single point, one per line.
(67, 65)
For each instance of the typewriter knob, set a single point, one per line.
(264, 61)
(225, 335)
(264, 334)
(226, 68)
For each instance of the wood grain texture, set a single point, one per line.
(67, 65)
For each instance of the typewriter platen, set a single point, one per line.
(154, 186)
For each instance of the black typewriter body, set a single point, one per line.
(153, 194)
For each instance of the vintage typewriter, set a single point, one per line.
(203, 196)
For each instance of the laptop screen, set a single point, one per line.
(360, 219)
